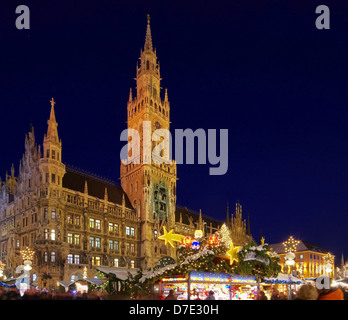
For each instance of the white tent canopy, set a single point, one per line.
(120, 273)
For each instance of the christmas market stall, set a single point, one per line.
(285, 283)
(198, 285)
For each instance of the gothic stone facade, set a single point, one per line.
(75, 220)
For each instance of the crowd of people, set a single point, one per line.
(307, 292)
(32, 294)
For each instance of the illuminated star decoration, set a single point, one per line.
(170, 237)
(329, 258)
(27, 254)
(232, 253)
(291, 244)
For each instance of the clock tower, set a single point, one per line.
(150, 186)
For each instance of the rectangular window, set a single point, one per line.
(116, 228)
(53, 234)
(48, 153)
(132, 248)
(77, 259)
(91, 242)
(132, 264)
(127, 247)
(97, 224)
(53, 179)
(115, 262)
(127, 231)
(111, 227)
(91, 223)
(70, 238)
(69, 219)
(70, 258)
(111, 245)
(53, 257)
(76, 238)
(53, 154)
(77, 220)
(53, 213)
(45, 256)
(97, 242)
(132, 232)
(96, 261)
(46, 233)
(116, 245)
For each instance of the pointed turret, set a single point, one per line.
(52, 167)
(52, 131)
(148, 37)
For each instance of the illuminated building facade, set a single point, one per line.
(75, 220)
(310, 260)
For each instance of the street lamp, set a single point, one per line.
(290, 247)
(2, 268)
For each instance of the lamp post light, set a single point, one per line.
(27, 256)
(290, 248)
(2, 268)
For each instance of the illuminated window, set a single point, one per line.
(155, 233)
(97, 242)
(53, 257)
(111, 227)
(91, 223)
(91, 242)
(132, 264)
(127, 231)
(70, 238)
(97, 224)
(115, 262)
(111, 244)
(77, 220)
(45, 256)
(96, 261)
(301, 256)
(77, 259)
(116, 245)
(77, 239)
(69, 219)
(116, 228)
(70, 258)
(46, 233)
(132, 232)
(53, 213)
(53, 234)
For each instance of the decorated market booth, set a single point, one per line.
(283, 282)
(198, 284)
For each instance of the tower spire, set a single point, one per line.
(148, 38)
(52, 132)
(228, 215)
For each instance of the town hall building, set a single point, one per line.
(77, 222)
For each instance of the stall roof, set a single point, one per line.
(284, 278)
(120, 273)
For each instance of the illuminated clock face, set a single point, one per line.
(157, 125)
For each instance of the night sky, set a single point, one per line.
(260, 69)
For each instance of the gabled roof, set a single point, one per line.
(74, 179)
(302, 246)
(185, 213)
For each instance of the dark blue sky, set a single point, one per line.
(259, 68)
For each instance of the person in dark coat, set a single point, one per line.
(171, 295)
(210, 296)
